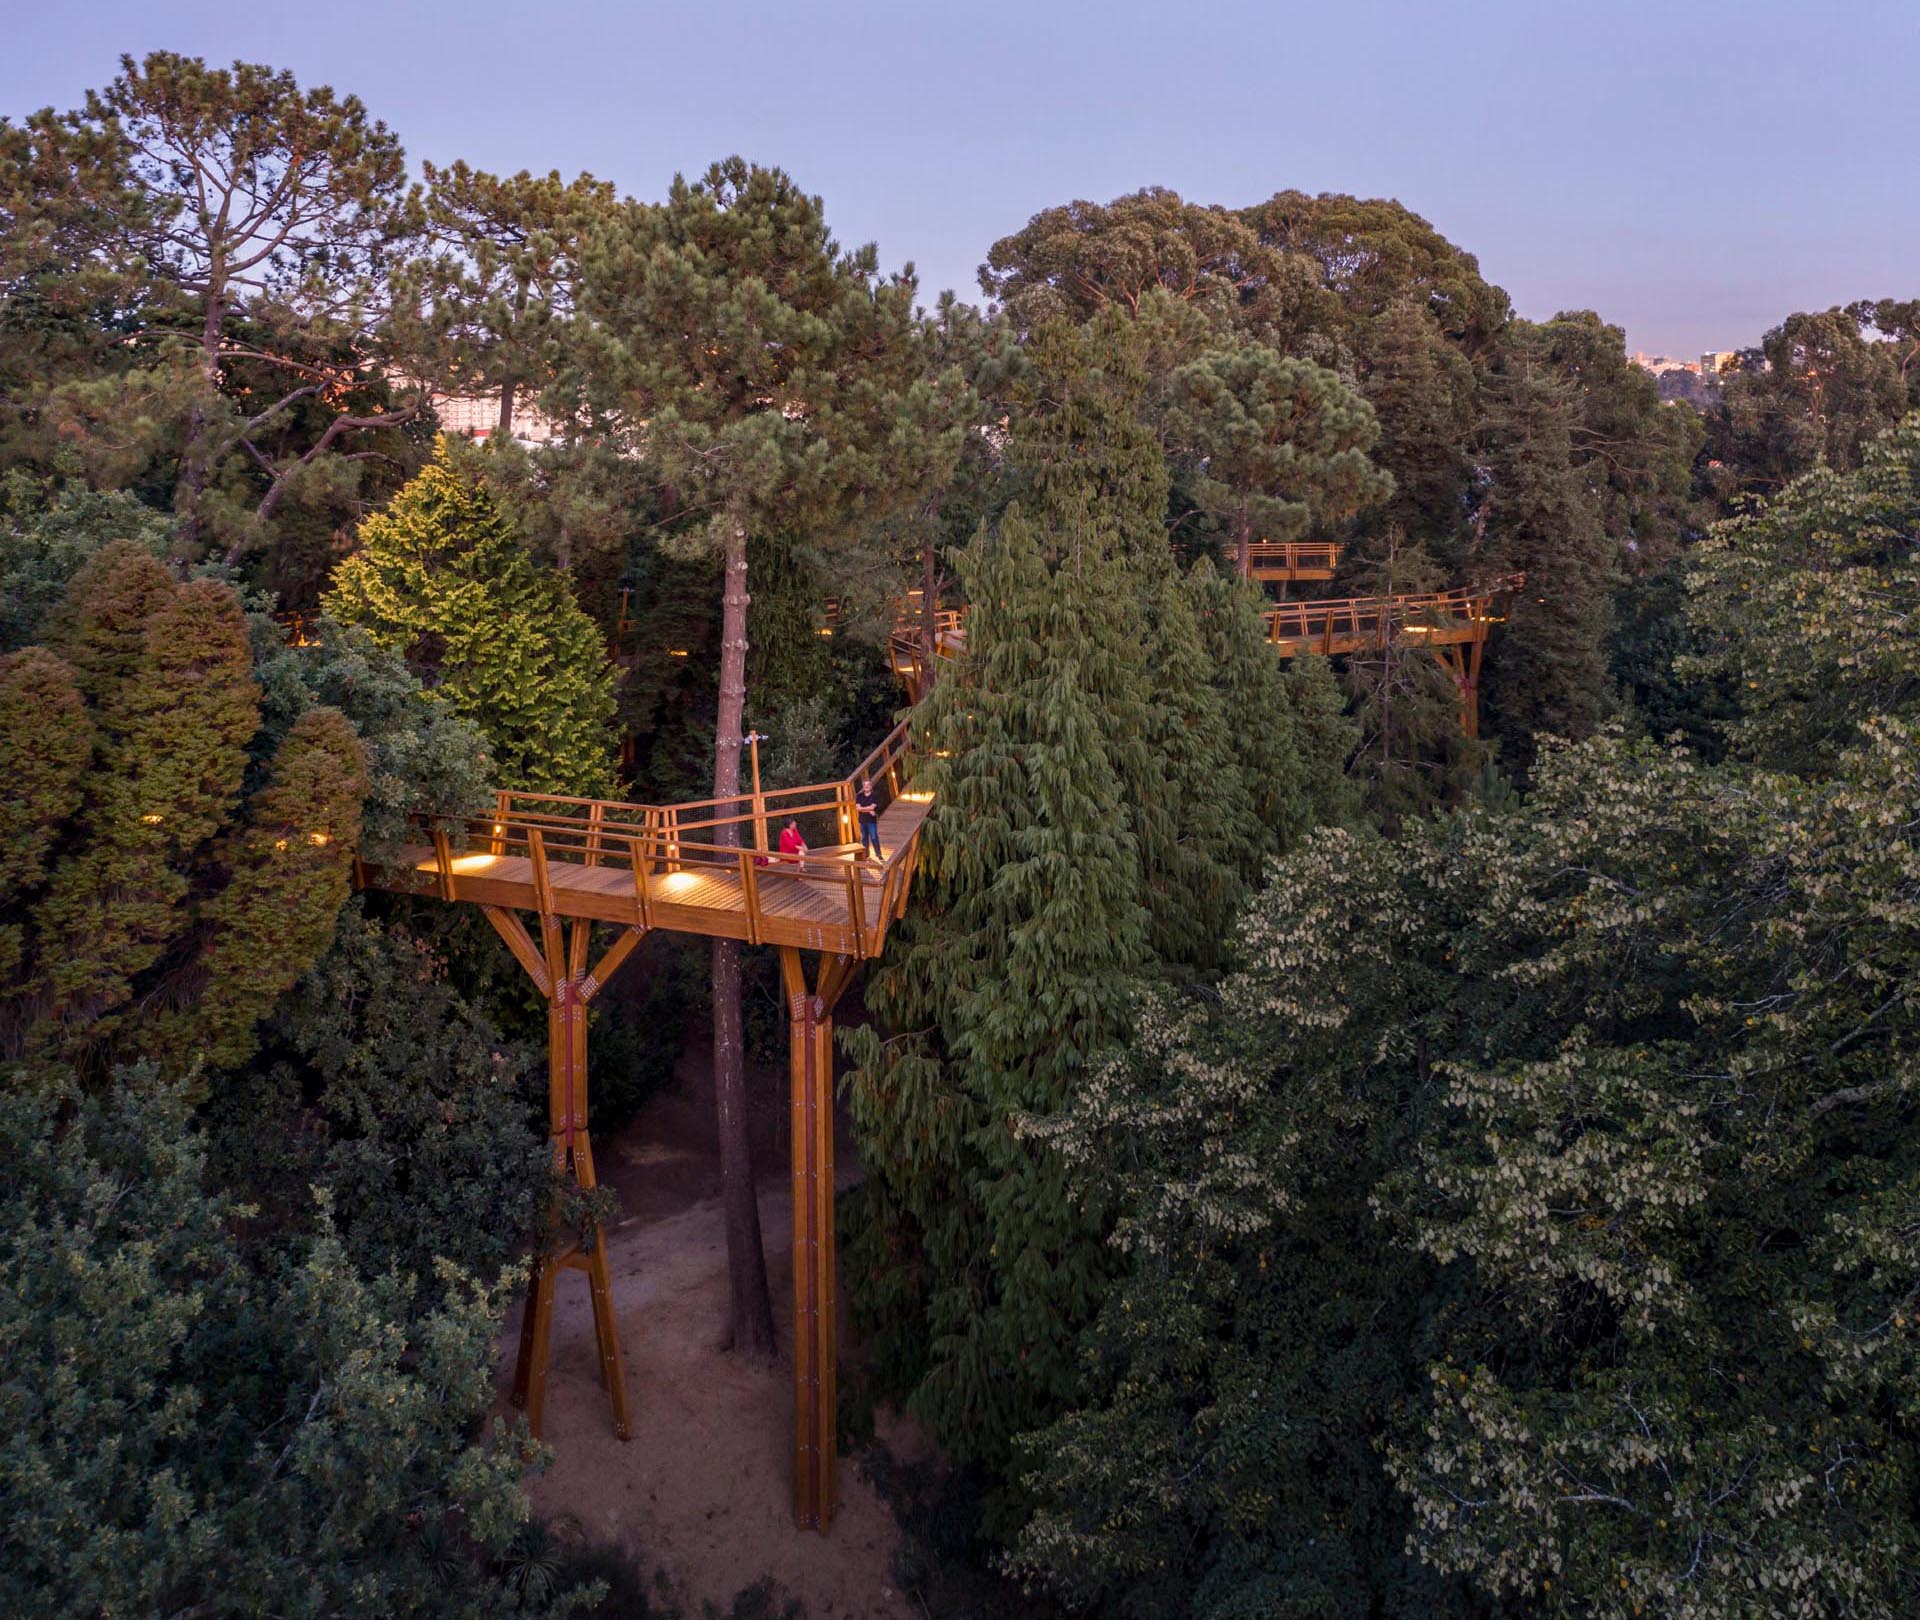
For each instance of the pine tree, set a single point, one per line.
(1547, 670)
(1281, 443)
(776, 384)
(1010, 982)
(442, 577)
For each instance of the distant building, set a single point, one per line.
(1716, 361)
(476, 416)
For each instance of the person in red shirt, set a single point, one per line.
(792, 845)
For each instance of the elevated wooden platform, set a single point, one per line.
(1285, 561)
(1349, 624)
(623, 871)
(711, 868)
(1453, 625)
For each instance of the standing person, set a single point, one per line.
(792, 845)
(869, 811)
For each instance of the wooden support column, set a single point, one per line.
(816, 1450)
(558, 967)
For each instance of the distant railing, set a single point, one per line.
(1294, 556)
(1461, 611)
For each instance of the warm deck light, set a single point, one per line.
(918, 798)
(674, 882)
(472, 863)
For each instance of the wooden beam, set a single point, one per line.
(542, 882)
(836, 972)
(609, 964)
(443, 862)
(513, 931)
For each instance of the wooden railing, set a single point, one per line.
(1460, 612)
(1294, 556)
(666, 849)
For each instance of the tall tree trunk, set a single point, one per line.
(751, 1327)
(196, 466)
(929, 618)
(1243, 526)
(509, 387)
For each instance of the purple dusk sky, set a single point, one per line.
(1693, 169)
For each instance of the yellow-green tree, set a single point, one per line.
(441, 578)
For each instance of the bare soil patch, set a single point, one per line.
(702, 1491)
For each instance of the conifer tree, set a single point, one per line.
(1282, 443)
(1423, 390)
(1218, 841)
(1010, 982)
(1286, 726)
(144, 910)
(289, 862)
(100, 626)
(46, 743)
(1409, 753)
(777, 385)
(170, 757)
(441, 577)
(1547, 671)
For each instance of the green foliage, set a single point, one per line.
(1546, 670)
(146, 908)
(1815, 394)
(1071, 263)
(1286, 725)
(41, 550)
(422, 756)
(1808, 604)
(1409, 754)
(1635, 453)
(1011, 976)
(1282, 442)
(1559, 1149)
(286, 882)
(442, 579)
(171, 751)
(394, 1095)
(189, 1432)
(1367, 253)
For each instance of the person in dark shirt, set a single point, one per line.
(869, 811)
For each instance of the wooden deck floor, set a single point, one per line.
(841, 905)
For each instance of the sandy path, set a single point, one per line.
(702, 1490)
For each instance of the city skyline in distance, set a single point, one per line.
(1693, 178)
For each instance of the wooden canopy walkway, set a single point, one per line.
(684, 867)
(1452, 625)
(710, 868)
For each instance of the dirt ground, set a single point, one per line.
(701, 1492)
